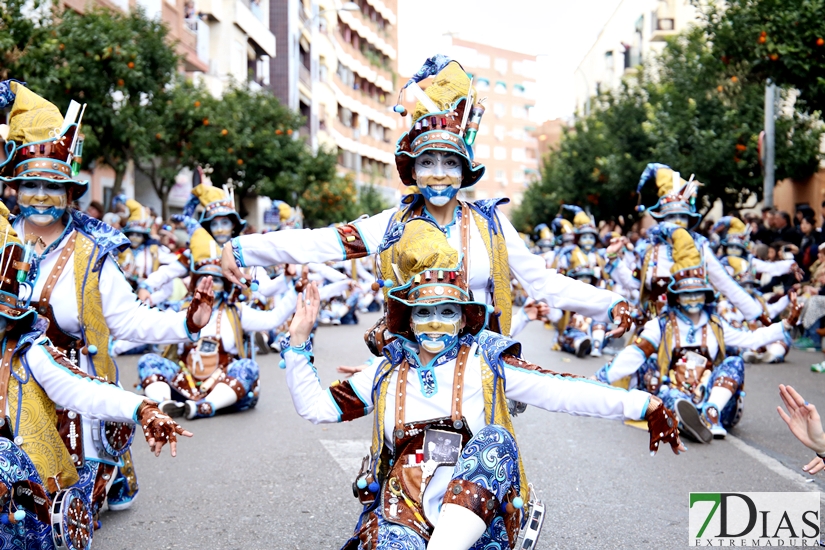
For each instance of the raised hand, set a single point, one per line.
(230, 269)
(306, 312)
(159, 429)
(349, 371)
(200, 308)
(144, 295)
(795, 309)
(622, 315)
(663, 426)
(536, 310)
(802, 418)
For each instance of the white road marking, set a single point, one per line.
(775, 466)
(348, 453)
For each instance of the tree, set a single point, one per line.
(116, 63)
(23, 24)
(776, 39)
(371, 201)
(175, 115)
(326, 202)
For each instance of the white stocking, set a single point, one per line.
(221, 397)
(719, 397)
(457, 529)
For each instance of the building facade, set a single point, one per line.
(337, 65)
(635, 31)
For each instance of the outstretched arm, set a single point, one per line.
(342, 401)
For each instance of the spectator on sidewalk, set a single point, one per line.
(809, 244)
(95, 210)
(764, 230)
(784, 230)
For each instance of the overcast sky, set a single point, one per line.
(561, 31)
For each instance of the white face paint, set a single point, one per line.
(692, 302)
(587, 241)
(734, 251)
(438, 176)
(682, 220)
(42, 202)
(221, 229)
(436, 327)
(136, 239)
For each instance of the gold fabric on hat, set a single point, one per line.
(203, 247)
(423, 247)
(208, 194)
(5, 226)
(582, 219)
(737, 227)
(448, 86)
(32, 118)
(685, 253)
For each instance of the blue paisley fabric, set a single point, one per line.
(487, 208)
(7, 97)
(107, 238)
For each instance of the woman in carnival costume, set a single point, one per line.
(676, 206)
(680, 354)
(434, 159)
(219, 370)
(74, 281)
(46, 501)
(581, 335)
(442, 432)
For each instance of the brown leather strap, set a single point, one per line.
(5, 372)
(400, 395)
(465, 241)
(51, 281)
(458, 382)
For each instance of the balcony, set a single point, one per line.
(304, 76)
(662, 28)
(254, 28)
(210, 9)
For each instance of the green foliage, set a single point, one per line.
(116, 63)
(688, 109)
(23, 24)
(778, 39)
(371, 201)
(329, 201)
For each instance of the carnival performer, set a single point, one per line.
(219, 370)
(581, 335)
(75, 283)
(682, 351)
(435, 159)
(37, 464)
(675, 205)
(444, 470)
(144, 255)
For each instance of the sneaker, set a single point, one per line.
(818, 367)
(260, 343)
(692, 423)
(711, 417)
(583, 348)
(118, 497)
(750, 356)
(804, 343)
(596, 352)
(172, 408)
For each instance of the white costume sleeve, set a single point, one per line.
(622, 274)
(724, 283)
(129, 319)
(303, 246)
(519, 323)
(272, 287)
(162, 294)
(778, 306)
(255, 320)
(314, 403)
(165, 274)
(334, 289)
(576, 396)
(773, 269)
(557, 290)
(752, 339)
(165, 257)
(631, 358)
(329, 273)
(91, 398)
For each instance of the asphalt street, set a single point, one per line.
(267, 479)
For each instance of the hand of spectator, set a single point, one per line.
(804, 422)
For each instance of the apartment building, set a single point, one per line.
(505, 144)
(337, 65)
(635, 31)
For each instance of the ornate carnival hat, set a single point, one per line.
(140, 219)
(41, 143)
(215, 202)
(204, 254)
(584, 224)
(742, 271)
(563, 229)
(676, 196)
(688, 272)
(446, 118)
(14, 266)
(543, 236)
(433, 274)
(734, 232)
(579, 265)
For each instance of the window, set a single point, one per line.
(482, 151)
(482, 84)
(499, 109)
(499, 132)
(518, 154)
(519, 111)
(501, 65)
(500, 175)
(484, 130)
(501, 87)
(518, 90)
(500, 153)
(517, 134)
(483, 61)
(518, 176)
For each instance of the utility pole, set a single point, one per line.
(770, 144)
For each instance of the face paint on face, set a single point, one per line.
(438, 176)
(436, 327)
(587, 241)
(734, 251)
(587, 279)
(42, 202)
(221, 228)
(682, 220)
(692, 302)
(135, 240)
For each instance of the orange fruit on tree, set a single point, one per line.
(197, 104)
(820, 41)
(206, 122)
(131, 64)
(762, 40)
(224, 132)
(774, 56)
(240, 161)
